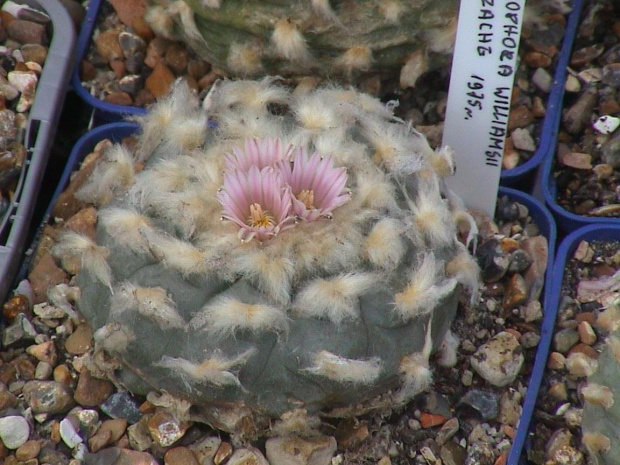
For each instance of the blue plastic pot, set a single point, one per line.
(567, 221)
(545, 222)
(103, 112)
(117, 131)
(42, 122)
(525, 172)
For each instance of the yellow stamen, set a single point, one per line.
(307, 198)
(260, 218)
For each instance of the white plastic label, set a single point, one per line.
(483, 70)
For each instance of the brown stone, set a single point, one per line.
(143, 29)
(129, 10)
(47, 397)
(160, 80)
(14, 306)
(144, 98)
(538, 107)
(80, 341)
(177, 58)
(430, 420)
(99, 441)
(519, 117)
(83, 222)
(45, 273)
(27, 32)
(62, 374)
(537, 59)
(351, 433)
(119, 98)
(88, 72)
(585, 349)
(7, 398)
(28, 450)
(108, 46)
(6, 18)
(115, 426)
(155, 51)
(180, 456)
(516, 292)
(609, 107)
(223, 453)
(208, 79)
(91, 391)
(44, 352)
(119, 68)
(198, 68)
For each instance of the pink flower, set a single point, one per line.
(258, 201)
(257, 152)
(317, 186)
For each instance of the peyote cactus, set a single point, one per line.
(313, 37)
(274, 252)
(601, 414)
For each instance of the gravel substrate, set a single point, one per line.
(61, 402)
(587, 159)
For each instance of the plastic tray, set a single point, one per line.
(117, 131)
(566, 220)
(526, 172)
(42, 122)
(103, 112)
(545, 222)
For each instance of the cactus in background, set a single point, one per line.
(314, 37)
(601, 394)
(275, 253)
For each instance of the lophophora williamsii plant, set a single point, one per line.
(601, 393)
(273, 254)
(347, 40)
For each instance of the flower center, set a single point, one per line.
(307, 198)
(260, 218)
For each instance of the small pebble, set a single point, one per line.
(14, 431)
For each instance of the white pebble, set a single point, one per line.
(14, 431)
(522, 139)
(606, 124)
(68, 433)
(542, 79)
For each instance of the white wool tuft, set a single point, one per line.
(188, 134)
(161, 21)
(253, 94)
(443, 161)
(464, 268)
(375, 192)
(323, 10)
(227, 315)
(355, 59)
(431, 218)
(384, 246)
(415, 373)
(441, 39)
(113, 173)
(391, 10)
(186, 14)
(334, 298)
(214, 370)
(245, 59)
(297, 422)
(289, 42)
(175, 107)
(596, 442)
(214, 4)
(345, 370)
(174, 253)
(424, 289)
(315, 113)
(92, 256)
(151, 302)
(271, 272)
(447, 353)
(125, 226)
(598, 394)
(113, 338)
